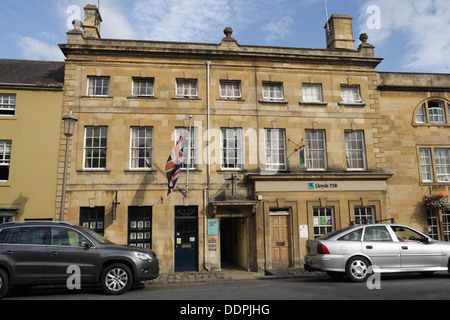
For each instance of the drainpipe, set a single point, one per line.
(208, 173)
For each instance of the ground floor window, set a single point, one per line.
(364, 215)
(140, 227)
(93, 218)
(323, 219)
(439, 224)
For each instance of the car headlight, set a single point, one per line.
(143, 256)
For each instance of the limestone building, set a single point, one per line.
(285, 144)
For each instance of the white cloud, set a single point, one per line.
(34, 49)
(423, 25)
(279, 29)
(190, 20)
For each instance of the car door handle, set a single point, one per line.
(54, 253)
(404, 247)
(369, 247)
(9, 252)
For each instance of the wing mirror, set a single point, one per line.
(85, 244)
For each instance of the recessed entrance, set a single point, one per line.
(233, 243)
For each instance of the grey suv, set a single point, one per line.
(42, 253)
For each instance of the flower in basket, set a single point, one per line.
(438, 200)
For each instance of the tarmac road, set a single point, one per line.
(387, 287)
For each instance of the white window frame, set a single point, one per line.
(186, 88)
(99, 148)
(232, 148)
(316, 149)
(190, 155)
(275, 149)
(434, 164)
(230, 89)
(426, 165)
(7, 105)
(148, 88)
(94, 85)
(321, 220)
(351, 94)
(5, 156)
(272, 91)
(312, 93)
(355, 150)
(139, 144)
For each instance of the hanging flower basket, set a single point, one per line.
(436, 201)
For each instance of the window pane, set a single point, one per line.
(275, 149)
(350, 94)
(141, 147)
(5, 159)
(323, 221)
(436, 111)
(421, 116)
(354, 148)
(230, 89)
(96, 147)
(426, 165)
(442, 160)
(315, 149)
(7, 105)
(98, 86)
(186, 88)
(312, 92)
(272, 91)
(232, 148)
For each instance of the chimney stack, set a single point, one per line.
(339, 32)
(92, 20)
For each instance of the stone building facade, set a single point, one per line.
(285, 144)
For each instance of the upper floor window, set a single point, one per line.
(435, 164)
(143, 87)
(355, 150)
(273, 91)
(98, 86)
(351, 95)
(312, 93)
(232, 148)
(187, 88)
(141, 148)
(5, 159)
(434, 112)
(7, 104)
(230, 89)
(316, 151)
(275, 149)
(190, 157)
(95, 147)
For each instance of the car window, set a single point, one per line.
(66, 237)
(352, 236)
(26, 235)
(377, 233)
(405, 234)
(332, 234)
(3, 234)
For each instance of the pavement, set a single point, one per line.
(229, 275)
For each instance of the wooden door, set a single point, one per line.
(280, 228)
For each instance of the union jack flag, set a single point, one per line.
(173, 165)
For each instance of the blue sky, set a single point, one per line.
(411, 35)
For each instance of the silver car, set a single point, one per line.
(386, 248)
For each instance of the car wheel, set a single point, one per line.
(4, 283)
(357, 269)
(116, 279)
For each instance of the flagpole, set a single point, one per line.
(188, 162)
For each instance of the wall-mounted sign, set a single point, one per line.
(213, 229)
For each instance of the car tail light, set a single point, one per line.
(322, 249)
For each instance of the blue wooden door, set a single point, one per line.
(186, 239)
